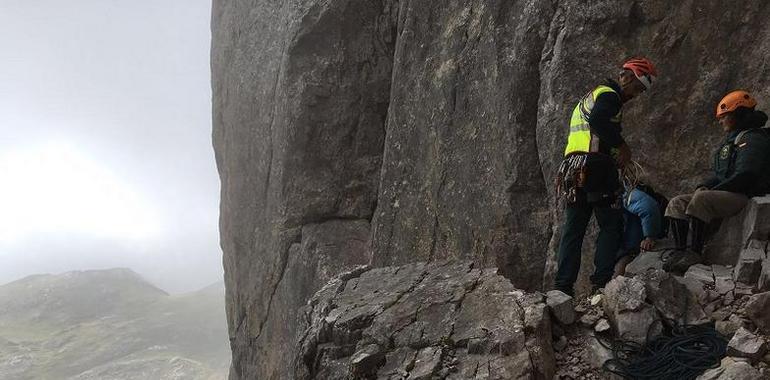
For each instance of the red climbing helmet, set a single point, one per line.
(643, 69)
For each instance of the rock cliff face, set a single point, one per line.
(383, 131)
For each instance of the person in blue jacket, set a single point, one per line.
(643, 225)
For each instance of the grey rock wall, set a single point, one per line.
(439, 126)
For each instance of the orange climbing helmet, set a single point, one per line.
(643, 69)
(735, 99)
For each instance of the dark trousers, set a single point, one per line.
(608, 243)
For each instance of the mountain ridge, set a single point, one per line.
(109, 323)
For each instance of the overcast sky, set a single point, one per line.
(105, 140)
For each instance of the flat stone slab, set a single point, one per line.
(700, 272)
(644, 262)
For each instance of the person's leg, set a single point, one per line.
(576, 220)
(677, 206)
(707, 205)
(676, 212)
(608, 242)
(632, 232)
(632, 238)
(679, 229)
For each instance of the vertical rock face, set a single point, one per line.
(460, 175)
(300, 100)
(386, 132)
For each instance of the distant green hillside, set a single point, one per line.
(110, 324)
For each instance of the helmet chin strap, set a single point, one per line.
(645, 79)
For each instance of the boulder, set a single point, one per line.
(744, 344)
(626, 308)
(672, 299)
(758, 310)
(757, 223)
(561, 306)
(695, 287)
(749, 266)
(738, 232)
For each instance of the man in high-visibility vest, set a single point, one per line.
(588, 176)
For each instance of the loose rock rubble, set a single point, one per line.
(453, 321)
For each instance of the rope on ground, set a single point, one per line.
(683, 353)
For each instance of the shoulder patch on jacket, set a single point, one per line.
(725, 152)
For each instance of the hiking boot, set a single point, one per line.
(698, 228)
(679, 228)
(679, 261)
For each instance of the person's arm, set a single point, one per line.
(748, 164)
(646, 208)
(607, 105)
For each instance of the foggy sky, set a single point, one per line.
(116, 95)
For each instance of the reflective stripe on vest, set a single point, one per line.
(580, 138)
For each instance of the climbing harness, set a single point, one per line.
(571, 176)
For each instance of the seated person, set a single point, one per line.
(643, 224)
(741, 170)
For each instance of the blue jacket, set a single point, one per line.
(642, 219)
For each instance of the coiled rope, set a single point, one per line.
(684, 353)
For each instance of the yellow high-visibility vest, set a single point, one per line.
(580, 138)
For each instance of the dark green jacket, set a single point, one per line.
(743, 166)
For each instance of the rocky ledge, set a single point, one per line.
(451, 320)
(424, 321)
